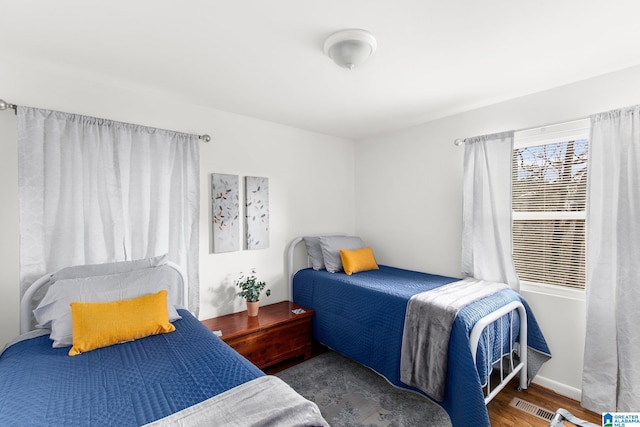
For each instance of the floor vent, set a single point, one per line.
(532, 409)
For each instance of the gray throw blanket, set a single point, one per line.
(264, 401)
(427, 328)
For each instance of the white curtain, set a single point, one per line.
(611, 374)
(486, 228)
(94, 190)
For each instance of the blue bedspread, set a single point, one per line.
(128, 384)
(362, 317)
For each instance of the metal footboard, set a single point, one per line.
(506, 375)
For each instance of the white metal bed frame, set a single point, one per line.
(506, 375)
(25, 302)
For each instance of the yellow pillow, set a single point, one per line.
(354, 261)
(100, 324)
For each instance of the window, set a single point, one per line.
(549, 183)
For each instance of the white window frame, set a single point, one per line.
(573, 130)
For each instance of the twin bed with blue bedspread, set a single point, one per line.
(362, 316)
(187, 376)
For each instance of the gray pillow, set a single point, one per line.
(314, 252)
(90, 270)
(93, 270)
(331, 246)
(54, 310)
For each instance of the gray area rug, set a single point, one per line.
(349, 394)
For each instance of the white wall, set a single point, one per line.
(409, 198)
(311, 176)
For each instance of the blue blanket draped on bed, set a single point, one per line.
(129, 384)
(362, 316)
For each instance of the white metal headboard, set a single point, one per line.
(25, 302)
(290, 267)
(291, 270)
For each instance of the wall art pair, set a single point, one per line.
(225, 195)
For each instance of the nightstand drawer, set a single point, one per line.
(275, 335)
(276, 344)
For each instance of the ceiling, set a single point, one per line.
(264, 59)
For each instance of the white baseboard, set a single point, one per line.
(563, 389)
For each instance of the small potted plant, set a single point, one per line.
(250, 289)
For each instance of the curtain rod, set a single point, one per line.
(459, 141)
(4, 105)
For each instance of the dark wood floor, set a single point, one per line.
(501, 413)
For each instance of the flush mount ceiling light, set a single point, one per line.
(349, 48)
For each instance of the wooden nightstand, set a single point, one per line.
(273, 336)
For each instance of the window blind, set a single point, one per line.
(549, 183)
